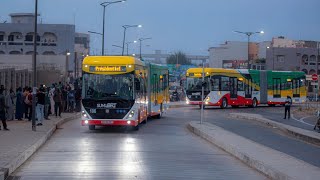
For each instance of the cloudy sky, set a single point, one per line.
(188, 25)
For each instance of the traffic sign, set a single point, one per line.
(308, 77)
(315, 77)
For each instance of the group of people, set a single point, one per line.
(51, 100)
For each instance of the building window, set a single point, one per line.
(305, 59)
(313, 60)
(1, 37)
(280, 58)
(11, 37)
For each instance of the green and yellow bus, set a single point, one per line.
(122, 91)
(243, 87)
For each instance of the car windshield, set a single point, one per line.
(195, 84)
(107, 86)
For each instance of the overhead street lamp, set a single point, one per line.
(104, 5)
(125, 27)
(128, 46)
(140, 40)
(249, 34)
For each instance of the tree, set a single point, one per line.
(178, 58)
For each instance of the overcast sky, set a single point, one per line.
(188, 25)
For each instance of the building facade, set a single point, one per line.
(16, 38)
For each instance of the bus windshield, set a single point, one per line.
(195, 84)
(96, 86)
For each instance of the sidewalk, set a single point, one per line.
(308, 135)
(18, 144)
(272, 163)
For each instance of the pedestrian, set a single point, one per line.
(47, 104)
(19, 104)
(57, 102)
(51, 94)
(287, 106)
(3, 108)
(28, 101)
(40, 106)
(25, 102)
(10, 104)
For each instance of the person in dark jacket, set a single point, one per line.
(19, 104)
(57, 102)
(40, 105)
(3, 108)
(287, 106)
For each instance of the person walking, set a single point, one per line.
(19, 104)
(10, 104)
(51, 94)
(28, 101)
(3, 108)
(40, 106)
(287, 106)
(57, 102)
(25, 102)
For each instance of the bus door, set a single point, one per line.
(248, 88)
(233, 87)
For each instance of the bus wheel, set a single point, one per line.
(224, 103)
(92, 127)
(136, 128)
(254, 103)
(203, 106)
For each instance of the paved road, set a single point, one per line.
(259, 133)
(162, 149)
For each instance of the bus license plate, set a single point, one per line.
(106, 122)
(107, 111)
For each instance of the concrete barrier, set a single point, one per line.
(272, 163)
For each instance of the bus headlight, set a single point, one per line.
(207, 99)
(131, 114)
(84, 115)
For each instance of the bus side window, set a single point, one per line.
(225, 83)
(240, 85)
(215, 84)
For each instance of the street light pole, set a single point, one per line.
(142, 39)
(104, 5)
(249, 34)
(34, 65)
(128, 46)
(202, 93)
(125, 27)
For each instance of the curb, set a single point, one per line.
(272, 163)
(179, 106)
(24, 156)
(307, 136)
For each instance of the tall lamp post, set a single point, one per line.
(249, 34)
(140, 40)
(127, 43)
(104, 5)
(34, 66)
(125, 27)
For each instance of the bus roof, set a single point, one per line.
(112, 60)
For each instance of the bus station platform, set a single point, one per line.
(20, 143)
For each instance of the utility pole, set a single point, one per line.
(34, 66)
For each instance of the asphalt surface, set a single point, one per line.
(260, 133)
(161, 149)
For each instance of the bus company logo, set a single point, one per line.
(196, 94)
(109, 105)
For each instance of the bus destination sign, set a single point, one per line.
(108, 69)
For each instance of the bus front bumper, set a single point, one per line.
(109, 122)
